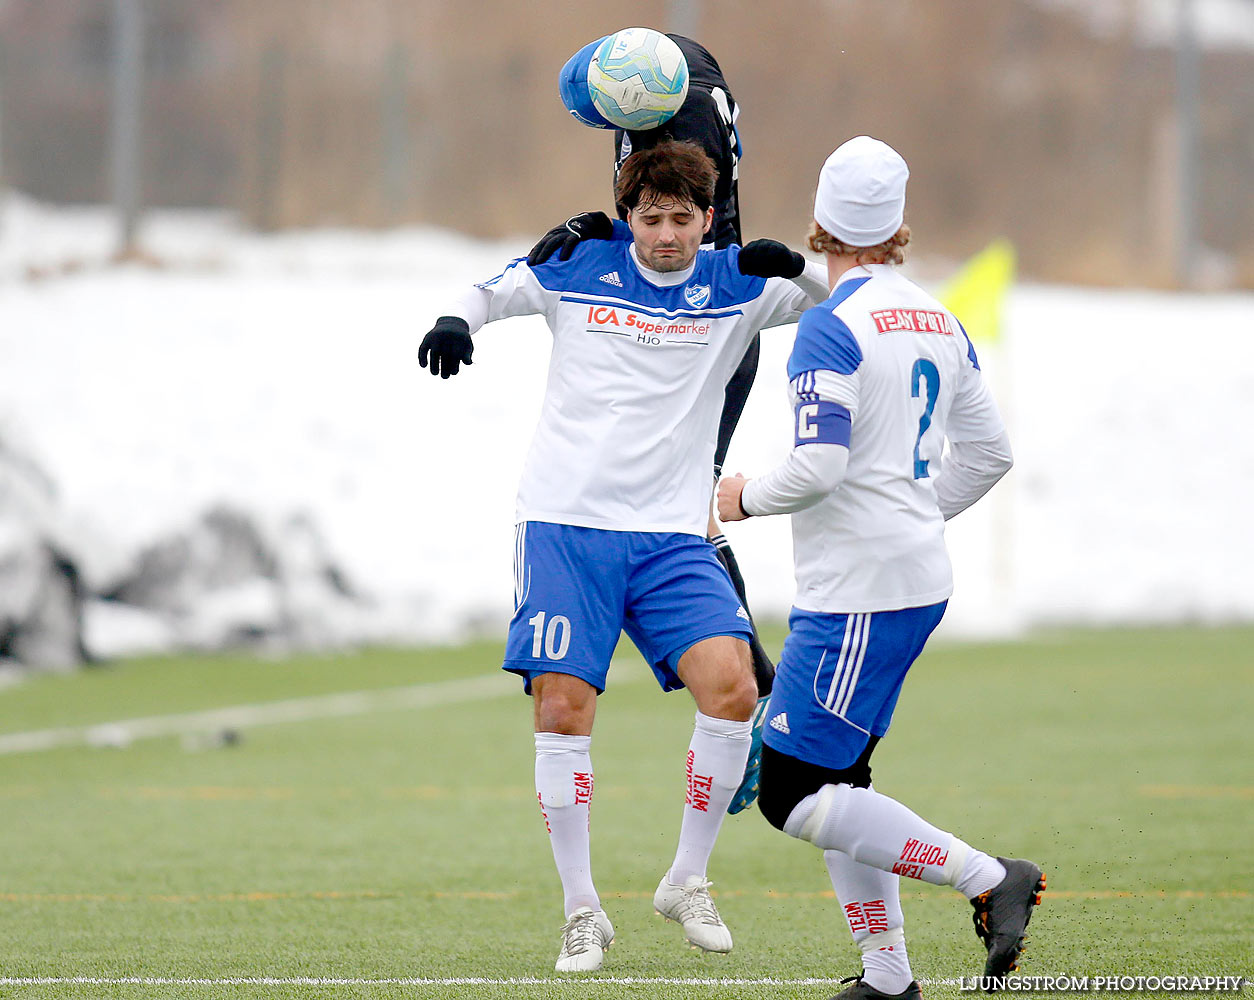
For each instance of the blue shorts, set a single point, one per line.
(576, 589)
(838, 680)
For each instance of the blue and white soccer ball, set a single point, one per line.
(634, 79)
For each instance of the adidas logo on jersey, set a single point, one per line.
(612, 278)
(780, 722)
(742, 613)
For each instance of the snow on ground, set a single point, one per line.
(279, 374)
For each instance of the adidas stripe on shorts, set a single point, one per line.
(838, 680)
(576, 589)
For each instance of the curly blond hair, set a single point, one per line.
(891, 251)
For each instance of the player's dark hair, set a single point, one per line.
(669, 171)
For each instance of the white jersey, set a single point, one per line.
(886, 370)
(640, 360)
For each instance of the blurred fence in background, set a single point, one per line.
(1020, 118)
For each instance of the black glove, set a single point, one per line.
(447, 345)
(770, 259)
(567, 236)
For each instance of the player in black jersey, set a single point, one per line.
(707, 118)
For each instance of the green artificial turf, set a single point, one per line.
(406, 843)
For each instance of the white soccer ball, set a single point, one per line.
(638, 78)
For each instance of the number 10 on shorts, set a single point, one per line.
(555, 640)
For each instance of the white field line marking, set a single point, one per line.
(120, 733)
(475, 981)
(338, 895)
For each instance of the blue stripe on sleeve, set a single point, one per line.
(970, 346)
(822, 422)
(823, 342)
(508, 267)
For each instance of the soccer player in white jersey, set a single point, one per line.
(708, 118)
(881, 376)
(614, 501)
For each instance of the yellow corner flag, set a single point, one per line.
(976, 292)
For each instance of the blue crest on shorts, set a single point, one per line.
(697, 296)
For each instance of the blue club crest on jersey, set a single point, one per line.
(697, 296)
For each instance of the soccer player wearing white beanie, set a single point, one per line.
(861, 199)
(881, 376)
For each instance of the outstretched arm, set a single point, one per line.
(793, 284)
(813, 281)
(513, 292)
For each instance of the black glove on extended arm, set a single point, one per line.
(447, 346)
(770, 259)
(567, 236)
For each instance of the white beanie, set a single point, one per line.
(862, 192)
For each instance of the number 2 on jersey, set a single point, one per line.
(555, 641)
(924, 371)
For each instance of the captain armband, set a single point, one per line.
(821, 422)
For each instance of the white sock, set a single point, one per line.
(716, 765)
(871, 902)
(564, 788)
(979, 874)
(881, 832)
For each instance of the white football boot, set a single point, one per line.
(691, 906)
(586, 937)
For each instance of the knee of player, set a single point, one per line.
(721, 678)
(795, 796)
(738, 696)
(563, 707)
(747, 691)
